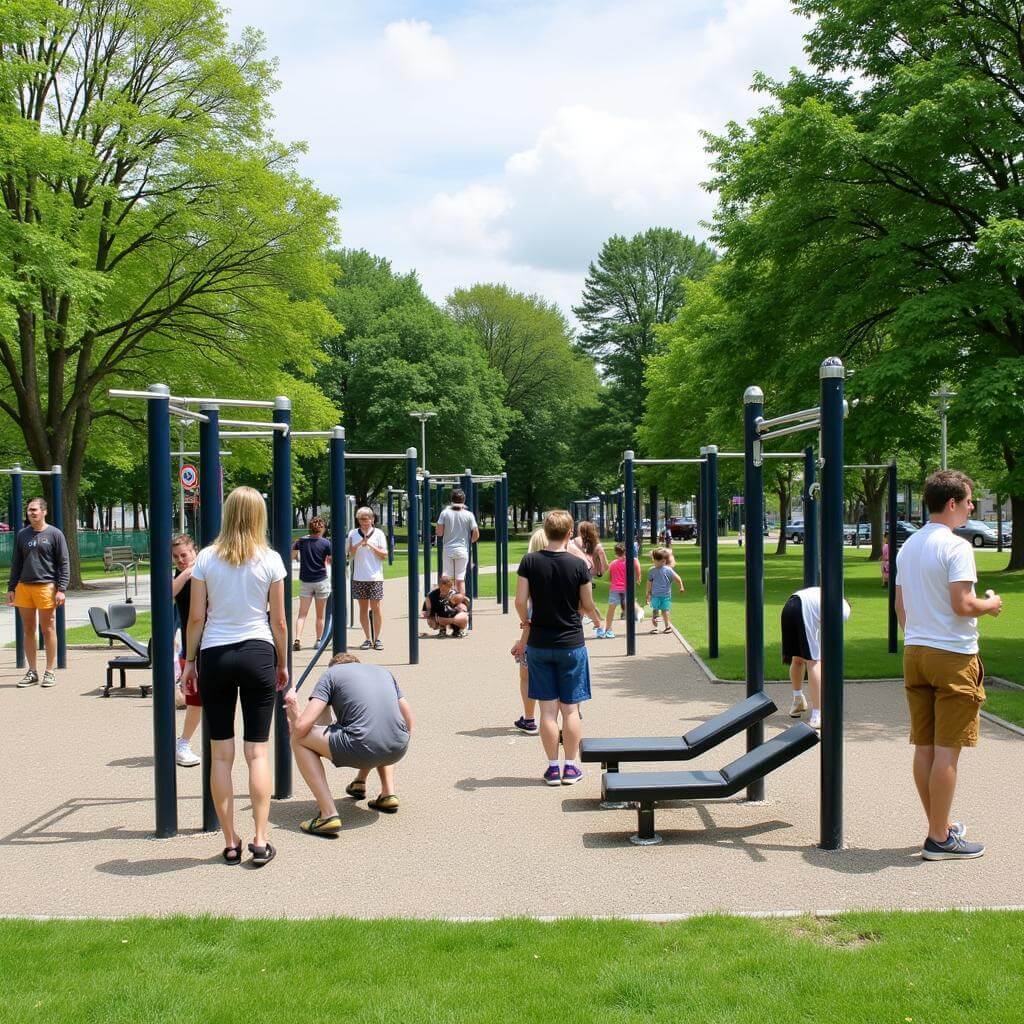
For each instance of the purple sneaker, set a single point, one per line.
(571, 775)
(527, 725)
(553, 777)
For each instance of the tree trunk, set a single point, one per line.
(1017, 543)
(874, 508)
(135, 517)
(145, 518)
(784, 502)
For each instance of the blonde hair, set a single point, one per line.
(365, 510)
(557, 524)
(243, 532)
(538, 540)
(660, 554)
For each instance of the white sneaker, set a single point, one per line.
(799, 705)
(815, 721)
(185, 755)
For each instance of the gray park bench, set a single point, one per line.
(121, 558)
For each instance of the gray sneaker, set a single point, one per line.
(31, 678)
(49, 679)
(954, 848)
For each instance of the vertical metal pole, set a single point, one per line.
(158, 430)
(210, 504)
(811, 558)
(466, 483)
(601, 520)
(753, 504)
(711, 477)
(426, 535)
(924, 511)
(282, 534)
(504, 543)
(702, 516)
(630, 537)
(474, 561)
(391, 525)
(943, 452)
(891, 496)
(654, 513)
(832, 669)
(181, 485)
(57, 491)
(16, 520)
(412, 493)
(619, 531)
(339, 544)
(999, 524)
(496, 492)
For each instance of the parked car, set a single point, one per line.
(851, 530)
(978, 534)
(5, 527)
(795, 531)
(682, 527)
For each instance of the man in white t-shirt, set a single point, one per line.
(458, 528)
(943, 676)
(368, 549)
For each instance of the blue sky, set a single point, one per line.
(501, 140)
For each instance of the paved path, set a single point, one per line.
(477, 834)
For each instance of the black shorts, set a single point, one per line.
(794, 636)
(249, 669)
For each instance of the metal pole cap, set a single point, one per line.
(159, 389)
(753, 394)
(703, 450)
(832, 367)
(628, 455)
(338, 432)
(282, 402)
(56, 470)
(410, 453)
(712, 449)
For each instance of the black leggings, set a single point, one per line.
(248, 668)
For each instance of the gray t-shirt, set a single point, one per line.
(40, 556)
(365, 702)
(459, 524)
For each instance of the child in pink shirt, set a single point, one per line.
(617, 589)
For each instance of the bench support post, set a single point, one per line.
(645, 834)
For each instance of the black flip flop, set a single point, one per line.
(236, 850)
(262, 854)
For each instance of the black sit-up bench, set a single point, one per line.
(649, 788)
(734, 720)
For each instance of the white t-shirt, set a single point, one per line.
(366, 565)
(810, 604)
(459, 524)
(237, 596)
(927, 563)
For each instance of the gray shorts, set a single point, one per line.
(349, 753)
(316, 588)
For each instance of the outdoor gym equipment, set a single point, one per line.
(16, 513)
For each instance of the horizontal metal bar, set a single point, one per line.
(192, 455)
(240, 403)
(868, 465)
(667, 462)
(374, 455)
(29, 472)
(790, 417)
(492, 479)
(256, 423)
(122, 393)
(245, 433)
(188, 414)
(781, 455)
(731, 455)
(312, 433)
(798, 428)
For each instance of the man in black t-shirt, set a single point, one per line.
(557, 585)
(445, 607)
(183, 553)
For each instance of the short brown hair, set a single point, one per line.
(945, 486)
(183, 538)
(557, 524)
(459, 496)
(317, 524)
(659, 554)
(39, 501)
(344, 659)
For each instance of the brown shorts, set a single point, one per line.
(35, 595)
(945, 691)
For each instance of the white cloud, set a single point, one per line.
(463, 222)
(417, 51)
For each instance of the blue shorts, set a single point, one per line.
(662, 604)
(561, 673)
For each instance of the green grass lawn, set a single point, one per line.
(853, 969)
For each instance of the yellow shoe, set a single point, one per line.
(322, 826)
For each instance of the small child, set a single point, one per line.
(659, 587)
(617, 589)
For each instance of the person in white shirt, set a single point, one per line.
(943, 676)
(368, 550)
(801, 649)
(242, 655)
(457, 526)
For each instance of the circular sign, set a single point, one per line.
(189, 477)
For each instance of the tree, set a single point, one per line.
(148, 214)
(879, 199)
(547, 384)
(399, 352)
(635, 285)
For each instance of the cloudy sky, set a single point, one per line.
(504, 140)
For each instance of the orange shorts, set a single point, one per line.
(35, 595)
(945, 692)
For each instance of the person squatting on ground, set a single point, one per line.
(38, 583)
(660, 578)
(445, 607)
(313, 553)
(527, 722)
(558, 586)
(801, 649)
(943, 676)
(617, 589)
(373, 723)
(368, 549)
(241, 655)
(183, 554)
(457, 527)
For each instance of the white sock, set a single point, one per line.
(798, 693)
(815, 716)
(573, 763)
(552, 764)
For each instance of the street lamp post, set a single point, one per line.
(423, 416)
(943, 395)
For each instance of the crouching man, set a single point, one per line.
(372, 725)
(445, 607)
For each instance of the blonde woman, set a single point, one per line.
(242, 655)
(368, 549)
(527, 722)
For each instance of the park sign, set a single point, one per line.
(189, 477)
